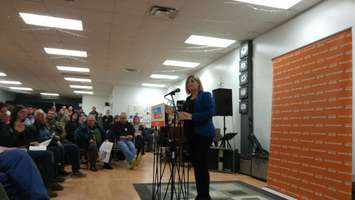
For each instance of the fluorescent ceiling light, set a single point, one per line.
(3, 74)
(209, 41)
(180, 63)
(83, 92)
(73, 69)
(49, 94)
(77, 79)
(281, 4)
(21, 88)
(10, 82)
(65, 52)
(54, 22)
(162, 76)
(152, 85)
(88, 87)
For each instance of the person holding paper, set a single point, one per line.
(10, 137)
(42, 133)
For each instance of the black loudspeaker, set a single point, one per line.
(230, 160)
(243, 107)
(243, 78)
(107, 104)
(243, 92)
(213, 159)
(223, 102)
(259, 167)
(223, 160)
(245, 165)
(243, 65)
(246, 49)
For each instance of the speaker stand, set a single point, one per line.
(223, 143)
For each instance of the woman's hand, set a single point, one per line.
(185, 116)
(35, 143)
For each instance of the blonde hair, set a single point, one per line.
(195, 78)
(40, 112)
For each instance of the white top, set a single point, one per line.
(137, 131)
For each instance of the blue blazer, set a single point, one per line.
(202, 115)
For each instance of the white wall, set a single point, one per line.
(223, 73)
(131, 98)
(6, 96)
(323, 20)
(97, 101)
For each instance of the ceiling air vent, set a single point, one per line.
(130, 70)
(163, 11)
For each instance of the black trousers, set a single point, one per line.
(198, 148)
(92, 154)
(63, 152)
(72, 153)
(139, 143)
(45, 163)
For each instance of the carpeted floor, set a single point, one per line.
(226, 190)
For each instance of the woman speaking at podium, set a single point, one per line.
(199, 130)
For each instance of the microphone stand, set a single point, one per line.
(173, 149)
(178, 188)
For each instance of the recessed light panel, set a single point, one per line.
(65, 52)
(153, 85)
(53, 22)
(209, 41)
(179, 63)
(281, 4)
(73, 69)
(163, 76)
(77, 79)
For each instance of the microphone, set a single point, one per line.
(177, 90)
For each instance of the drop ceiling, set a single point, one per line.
(120, 34)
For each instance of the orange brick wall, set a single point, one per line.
(311, 134)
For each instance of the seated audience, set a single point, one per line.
(138, 139)
(99, 120)
(123, 133)
(71, 126)
(70, 110)
(23, 174)
(107, 120)
(61, 150)
(18, 136)
(62, 117)
(30, 118)
(82, 118)
(54, 125)
(89, 137)
(94, 112)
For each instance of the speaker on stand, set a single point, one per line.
(223, 107)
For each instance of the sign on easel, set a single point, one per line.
(158, 115)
